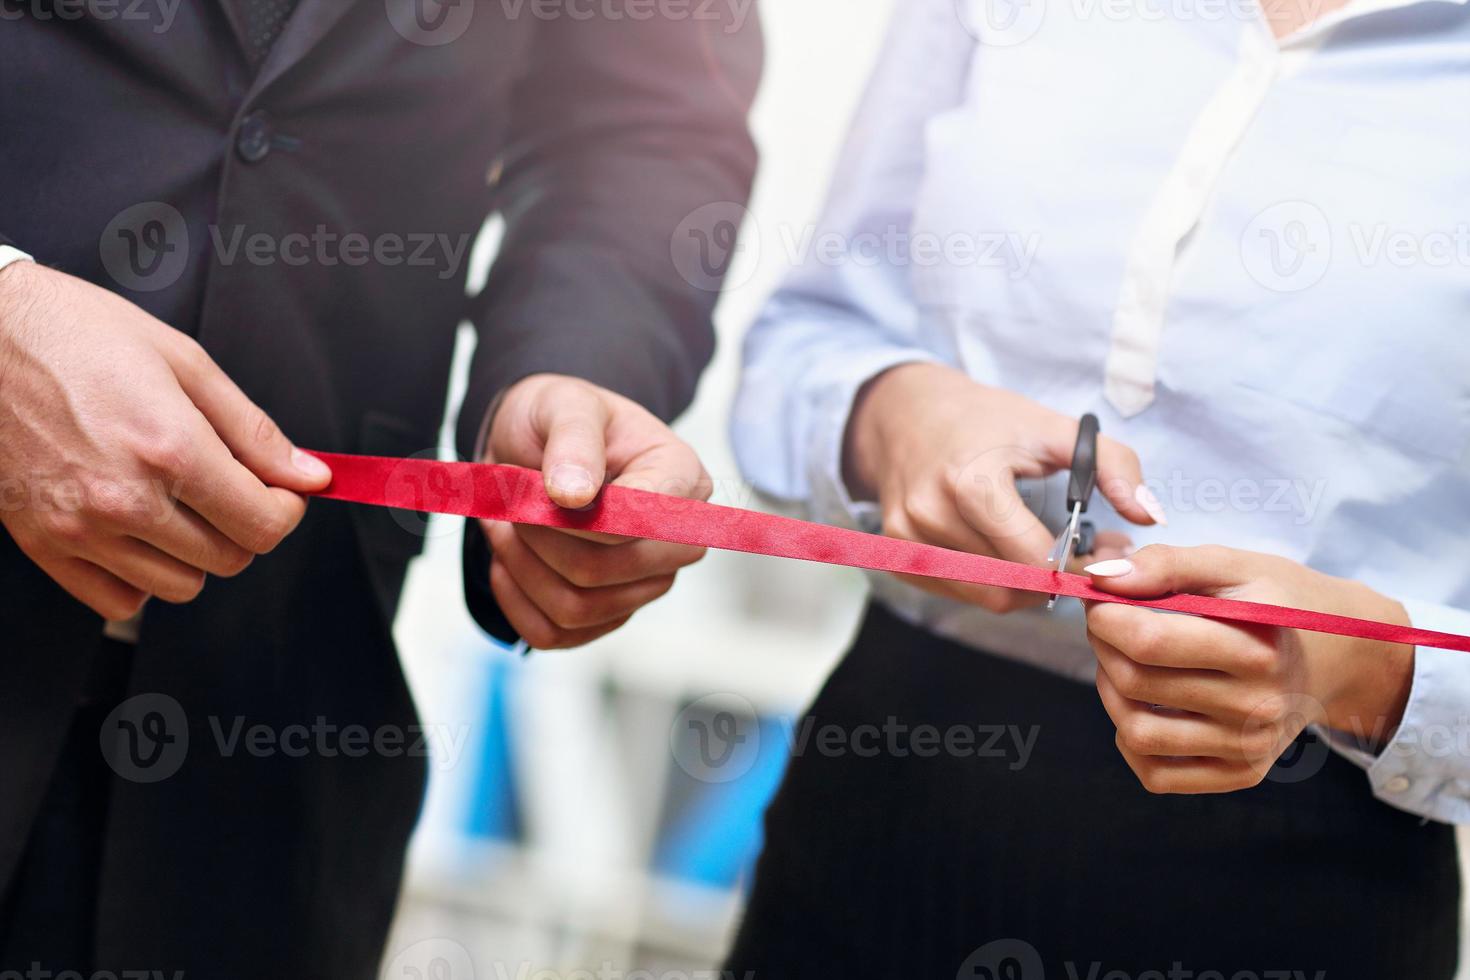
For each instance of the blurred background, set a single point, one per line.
(598, 809)
(595, 813)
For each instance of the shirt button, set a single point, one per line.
(1397, 785)
(253, 140)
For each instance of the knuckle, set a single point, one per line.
(572, 609)
(1127, 678)
(267, 530)
(261, 427)
(65, 526)
(927, 514)
(588, 575)
(189, 350)
(997, 601)
(1142, 735)
(1261, 659)
(1155, 779)
(1104, 618)
(1151, 638)
(114, 503)
(168, 451)
(233, 563)
(182, 589)
(542, 636)
(119, 607)
(1258, 744)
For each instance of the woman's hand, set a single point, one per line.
(1203, 706)
(941, 454)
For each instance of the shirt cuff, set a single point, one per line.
(1425, 767)
(9, 255)
(831, 502)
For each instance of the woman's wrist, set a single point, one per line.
(1375, 678)
(865, 440)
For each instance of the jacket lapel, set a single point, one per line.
(308, 24)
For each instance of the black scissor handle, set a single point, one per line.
(1084, 464)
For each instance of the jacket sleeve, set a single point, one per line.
(627, 166)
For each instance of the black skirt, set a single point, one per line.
(953, 814)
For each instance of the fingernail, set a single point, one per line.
(571, 481)
(1112, 568)
(1150, 503)
(310, 466)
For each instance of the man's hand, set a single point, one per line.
(941, 454)
(130, 465)
(1203, 706)
(565, 588)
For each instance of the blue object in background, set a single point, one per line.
(494, 801)
(711, 831)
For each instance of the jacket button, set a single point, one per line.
(253, 140)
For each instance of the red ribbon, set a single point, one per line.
(517, 495)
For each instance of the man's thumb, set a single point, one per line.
(574, 463)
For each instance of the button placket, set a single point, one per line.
(1138, 320)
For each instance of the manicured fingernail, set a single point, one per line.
(1150, 503)
(571, 481)
(1112, 568)
(309, 466)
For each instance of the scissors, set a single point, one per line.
(1077, 537)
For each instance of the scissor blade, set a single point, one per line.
(1066, 544)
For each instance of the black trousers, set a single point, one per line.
(899, 846)
(48, 918)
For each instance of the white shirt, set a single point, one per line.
(1251, 258)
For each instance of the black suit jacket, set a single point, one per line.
(143, 155)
